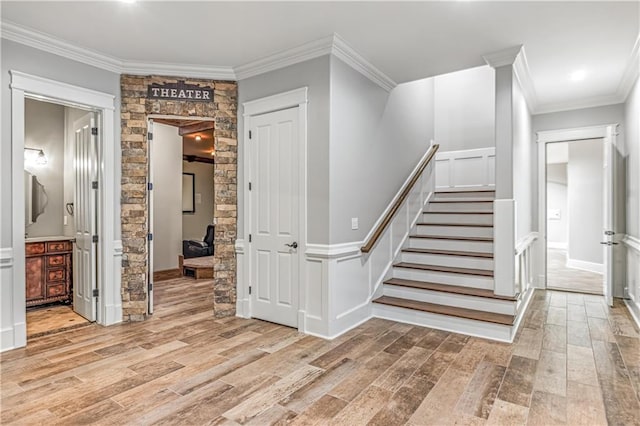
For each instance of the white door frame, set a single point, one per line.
(109, 249)
(607, 132)
(291, 99)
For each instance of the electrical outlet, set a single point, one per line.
(65, 220)
(354, 223)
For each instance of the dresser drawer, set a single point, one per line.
(57, 246)
(55, 290)
(34, 248)
(57, 274)
(57, 260)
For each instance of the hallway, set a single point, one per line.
(560, 277)
(574, 362)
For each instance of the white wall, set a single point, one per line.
(585, 186)
(44, 129)
(377, 138)
(167, 196)
(194, 225)
(524, 153)
(557, 229)
(465, 109)
(313, 74)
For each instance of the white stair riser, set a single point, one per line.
(443, 322)
(459, 207)
(459, 245)
(464, 195)
(484, 219)
(448, 260)
(451, 299)
(456, 231)
(474, 281)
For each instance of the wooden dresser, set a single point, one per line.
(48, 271)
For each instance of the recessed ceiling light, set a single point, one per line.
(198, 138)
(577, 75)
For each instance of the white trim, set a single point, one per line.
(630, 73)
(634, 310)
(558, 245)
(290, 99)
(596, 101)
(632, 242)
(331, 45)
(6, 257)
(523, 74)
(333, 251)
(573, 134)
(526, 241)
(297, 98)
(583, 265)
(51, 44)
(503, 57)
(25, 85)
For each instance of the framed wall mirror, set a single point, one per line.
(188, 193)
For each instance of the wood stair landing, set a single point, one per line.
(447, 310)
(447, 269)
(447, 288)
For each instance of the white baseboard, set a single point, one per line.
(597, 268)
(557, 245)
(634, 310)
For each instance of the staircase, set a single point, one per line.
(443, 278)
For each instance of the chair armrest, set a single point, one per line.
(201, 244)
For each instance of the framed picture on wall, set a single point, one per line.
(188, 193)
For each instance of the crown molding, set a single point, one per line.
(331, 45)
(42, 41)
(593, 102)
(503, 57)
(523, 74)
(630, 73)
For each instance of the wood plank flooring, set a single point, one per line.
(559, 277)
(51, 319)
(575, 361)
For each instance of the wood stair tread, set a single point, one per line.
(462, 212)
(479, 225)
(446, 269)
(449, 252)
(446, 310)
(446, 237)
(448, 288)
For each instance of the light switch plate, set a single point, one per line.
(354, 223)
(198, 198)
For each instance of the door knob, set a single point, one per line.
(609, 243)
(292, 245)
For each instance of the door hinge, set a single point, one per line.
(249, 237)
(150, 287)
(249, 186)
(150, 136)
(249, 289)
(94, 239)
(249, 134)
(94, 184)
(96, 292)
(149, 186)
(150, 236)
(94, 131)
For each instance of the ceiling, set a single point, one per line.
(406, 41)
(191, 146)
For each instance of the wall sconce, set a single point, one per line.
(40, 158)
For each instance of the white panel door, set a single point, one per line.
(611, 234)
(275, 207)
(84, 217)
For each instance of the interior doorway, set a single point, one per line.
(574, 215)
(181, 205)
(60, 211)
(581, 251)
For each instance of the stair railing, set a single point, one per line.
(403, 193)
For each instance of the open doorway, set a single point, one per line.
(181, 207)
(575, 198)
(60, 211)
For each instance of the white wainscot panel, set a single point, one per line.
(465, 169)
(379, 260)
(347, 289)
(315, 295)
(399, 228)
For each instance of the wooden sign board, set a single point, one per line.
(180, 91)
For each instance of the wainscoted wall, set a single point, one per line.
(135, 109)
(466, 169)
(632, 300)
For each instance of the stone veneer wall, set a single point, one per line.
(135, 110)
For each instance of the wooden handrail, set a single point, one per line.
(396, 206)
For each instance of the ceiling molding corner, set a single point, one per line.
(630, 73)
(598, 101)
(178, 70)
(348, 55)
(503, 57)
(42, 41)
(523, 74)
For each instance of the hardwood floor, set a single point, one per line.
(559, 277)
(575, 361)
(52, 319)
